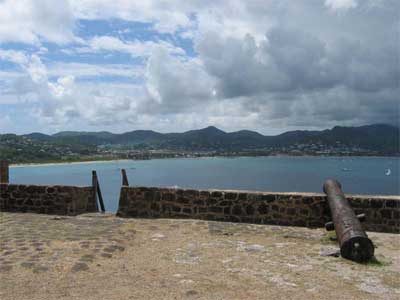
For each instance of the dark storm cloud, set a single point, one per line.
(320, 71)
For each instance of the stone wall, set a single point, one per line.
(57, 199)
(296, 209)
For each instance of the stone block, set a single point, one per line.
(168, 197)
(199, 202)
(250, 210)
(215, 209)
(307, 200)
(191, 193)
(392, 203)
(242, 196)
(187, 210)
(216, 194)
(268, 198)
(155, 206)
(182, 200)
(263, 209)
(149, 195)
(204, 194)
(231, 196)
(237, 210)
(375, 203)
(386, 213)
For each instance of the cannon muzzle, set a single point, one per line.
(354, 242)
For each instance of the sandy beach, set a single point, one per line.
(67, 163)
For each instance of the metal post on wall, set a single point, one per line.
(97, 190)
(124, 178)
(4, 172)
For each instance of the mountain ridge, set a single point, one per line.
(378, 137)
(208, 128)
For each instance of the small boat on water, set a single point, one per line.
(388, 172)
(346, 170)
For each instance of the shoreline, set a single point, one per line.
(22, 165)
(49, 164)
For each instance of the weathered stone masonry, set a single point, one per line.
(297, 209)
(57, 199)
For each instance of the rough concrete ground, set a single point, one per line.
(105, 257)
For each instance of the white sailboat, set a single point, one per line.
(388, 172)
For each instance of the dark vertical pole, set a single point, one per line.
(94, 186)
(97, 190)
(4, 172)
(124, 178)
(103, 209)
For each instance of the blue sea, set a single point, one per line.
(358, 175)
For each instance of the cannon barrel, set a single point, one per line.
(353, 241)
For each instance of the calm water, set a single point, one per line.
(363, 175)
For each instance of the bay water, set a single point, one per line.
(358, 175)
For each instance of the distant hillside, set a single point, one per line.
(37, 147)
(39, 136)
(100, 134)
(378, 138)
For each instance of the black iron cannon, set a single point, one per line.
(354, 242)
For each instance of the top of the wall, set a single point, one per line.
(303, 194)
(46, 185)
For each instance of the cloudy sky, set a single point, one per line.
(265, 65)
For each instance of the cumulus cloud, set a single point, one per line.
(29, 21)
(6, 124)
(300, 76)
(13, 56)
(135, 48)
(64, 100)
(340, 4)
(292, 59)
(94, 71)
(167, 17)
(237, 64)
(174, 84)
